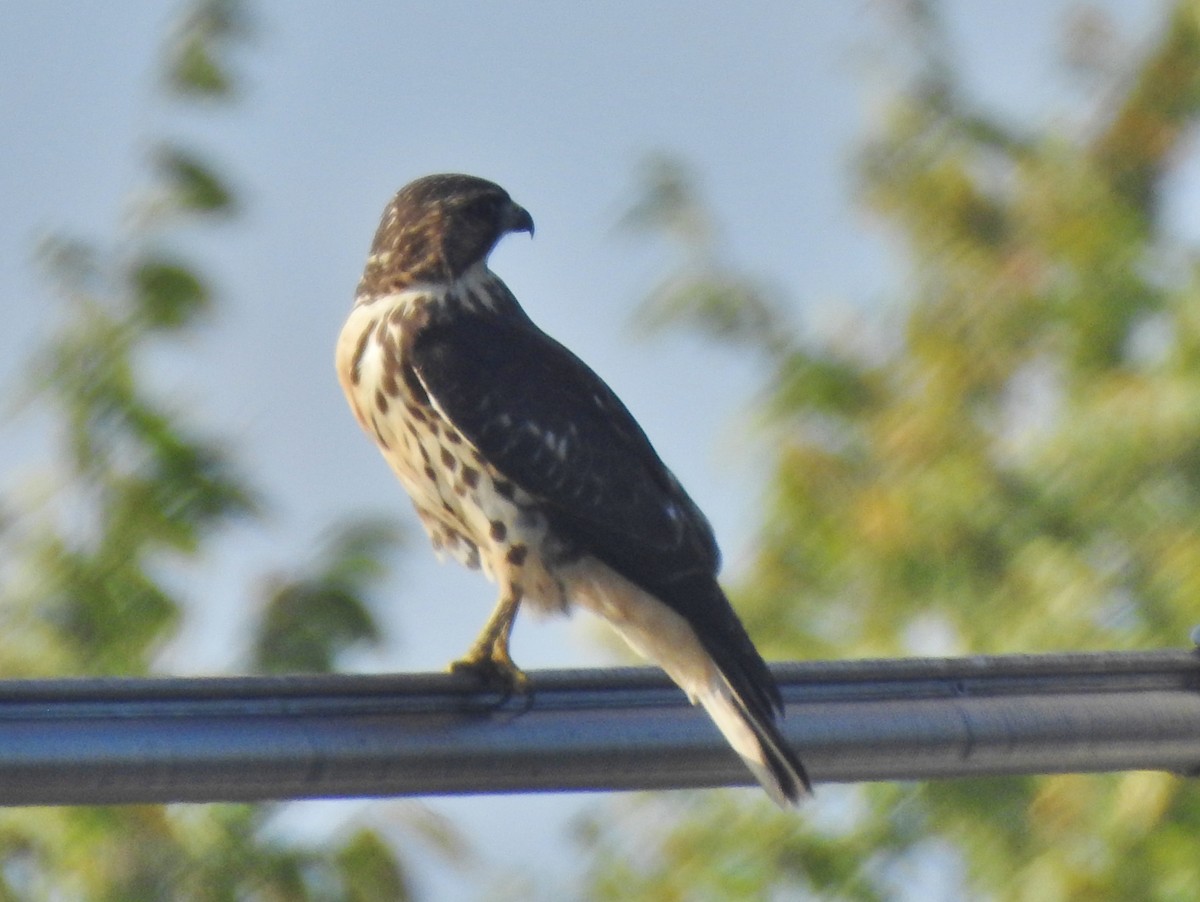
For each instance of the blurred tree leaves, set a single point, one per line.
(86, 553)
(168, 295)
(197, 60)
(1010, 464)
(309, 620)
(191, 184)
(703, 290)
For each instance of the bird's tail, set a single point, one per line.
(743, 700)
(756, 738)
(710, 656)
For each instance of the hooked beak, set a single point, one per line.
(518, 220)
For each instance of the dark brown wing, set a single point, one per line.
(543, 419)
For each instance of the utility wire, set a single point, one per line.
(89, 741)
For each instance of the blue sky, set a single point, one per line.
(558, 102)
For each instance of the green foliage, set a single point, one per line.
(1015, 469)
(193, 186)
(186, 853)
(136, 482)
(197, 62)
(369, 870)
(703, 291)
(168, 295)
(86, 552)
(309, 620)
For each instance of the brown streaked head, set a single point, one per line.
(436, 228)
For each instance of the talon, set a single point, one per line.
(488, 658)
(495, 669)
(517, 681)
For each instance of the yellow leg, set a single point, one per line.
(489, 657)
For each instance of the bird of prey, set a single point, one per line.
(521, 461)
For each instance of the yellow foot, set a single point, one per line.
(495, 670)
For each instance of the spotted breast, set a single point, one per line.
(470, 511)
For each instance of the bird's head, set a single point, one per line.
(438, 227)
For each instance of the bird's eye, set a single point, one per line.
(478, 207)
(484, 205)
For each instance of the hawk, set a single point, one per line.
(522, 462)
